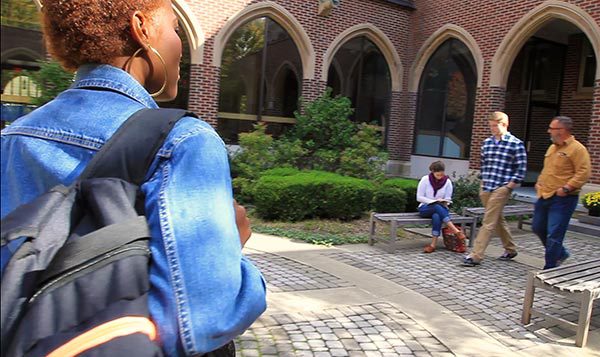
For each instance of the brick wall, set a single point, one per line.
(487, 21)
(204, 88)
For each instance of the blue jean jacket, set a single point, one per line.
(203, 291)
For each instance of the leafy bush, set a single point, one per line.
(323, 138)
(389, 199)
(243, 190)
(52, 79)
(324, 124)
(364, 159)
(255, 155)
(311, 194)
(466, 193)
(410, 187)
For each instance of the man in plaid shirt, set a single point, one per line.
(503, 167)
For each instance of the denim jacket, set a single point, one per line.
(203, 291)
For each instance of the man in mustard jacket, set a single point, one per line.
(566, 168)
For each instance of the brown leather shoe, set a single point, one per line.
(428, 249)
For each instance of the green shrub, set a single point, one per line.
(410, 187)
(243, 190)
(389, 199)
(281, 171)
(323, 138)
(256, 154)
(51, 79)
(364, 159)
(324, 124)
(311, 194)
(465, 193)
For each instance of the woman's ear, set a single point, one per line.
(139, 28)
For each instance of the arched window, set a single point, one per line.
(260, 51)
(360, 72)
(446, 102)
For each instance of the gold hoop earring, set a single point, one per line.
(164, 86)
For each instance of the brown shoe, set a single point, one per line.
(428, 249)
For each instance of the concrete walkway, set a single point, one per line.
(392, 300)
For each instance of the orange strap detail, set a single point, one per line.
(103, 333)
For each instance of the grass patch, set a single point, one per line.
(327, 232)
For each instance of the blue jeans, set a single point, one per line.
(550, 222)
(439, 214)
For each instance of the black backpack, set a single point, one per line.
(78, 284)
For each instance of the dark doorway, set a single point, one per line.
(534, 98)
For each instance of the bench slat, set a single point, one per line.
(584, 275)
(508, 210)
(567, 269)
(591, 283)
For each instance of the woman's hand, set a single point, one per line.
(242, 222)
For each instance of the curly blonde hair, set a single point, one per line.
(90, 31)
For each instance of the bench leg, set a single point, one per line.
(473, 232)
(520, 225)
(528, 301)
(585, 315)
(372, 229)
(393, 231)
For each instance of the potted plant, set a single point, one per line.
(591, 201)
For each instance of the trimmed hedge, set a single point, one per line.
(410, 187)
(312, 194)
(389, 200)
(280, 171)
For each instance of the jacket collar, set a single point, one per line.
(109, 77)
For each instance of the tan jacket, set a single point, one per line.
(566, 164)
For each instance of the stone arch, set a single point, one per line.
(379, 39)
(278, 14)
(192, 28)
(190, 24)
(428, 48)
(20, 51)
(529, 24)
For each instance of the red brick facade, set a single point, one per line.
(488, 22)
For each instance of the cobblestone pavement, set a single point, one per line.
(365, 330)
(579, 245)
(490, 297)
(288, 275)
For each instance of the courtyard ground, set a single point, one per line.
(392, 300)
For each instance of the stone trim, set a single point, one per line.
(278, 14)
(193, 30)
(526, 26)
(379, 38)
(444, 33)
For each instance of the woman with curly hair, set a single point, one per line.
(126, 54)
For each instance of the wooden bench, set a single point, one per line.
(401, 219)
(509, 210)
(579, 282)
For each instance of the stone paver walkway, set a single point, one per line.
(393, 300)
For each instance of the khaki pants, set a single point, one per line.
(493, 220)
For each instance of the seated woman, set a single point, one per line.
(435, 194)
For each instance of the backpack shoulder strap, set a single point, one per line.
(129, 153)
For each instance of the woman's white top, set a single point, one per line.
(425, 191)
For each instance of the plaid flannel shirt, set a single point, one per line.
(502, 161)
